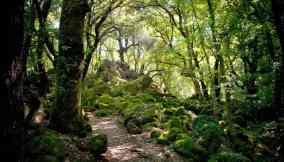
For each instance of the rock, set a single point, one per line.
(45, 158)
(187, 147)
(156, 132)
(133, 127)
(207, 131)
(97, 144)
(47, 146)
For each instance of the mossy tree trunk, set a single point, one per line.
(66, 116)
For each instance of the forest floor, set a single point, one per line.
(125, 147)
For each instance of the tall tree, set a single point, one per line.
(278, 11)
(11, 85)
(278, 99)
(66, 116)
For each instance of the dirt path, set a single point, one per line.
(124, 147)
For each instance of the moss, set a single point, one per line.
(97, 144)
(199, 106)
(175, 122)
(169, 136)
(134, 126)
(79, 128)
(104, 102)
(163, 139)
(156, 133)
(44, 158)
(228, 157)
(207, 132)
(187, 147)
(47, 146)
(103, 113)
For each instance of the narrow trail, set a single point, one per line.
(125, 147)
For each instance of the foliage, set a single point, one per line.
(228, 157)
(97, 144)
(204, 73)
(47, 146)
(187, 147)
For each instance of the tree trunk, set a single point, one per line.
(278, 101)
(42, 12)
(66, 116)
(11, 85)
(216, 51)
(278, 11)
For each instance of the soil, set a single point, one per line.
(125, 147)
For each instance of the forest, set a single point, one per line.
(142, 80)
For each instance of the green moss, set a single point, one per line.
(156, 134)
(170, 136)
(228, 157)
(47, 146)
(163, 139)
(104, 102)
(134, 126)
(45, 158)
(187, 147)
(207, 132)
(97, 144)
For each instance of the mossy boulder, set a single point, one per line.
(156, 133)
(97, 144)
(188, 148)
(170, 136)
(48, 146)
(228, 157)
(104, 102)
(207, 132)
(134, 126)
(80, 128)
(45, 158)
(137, 115)
(104, 113)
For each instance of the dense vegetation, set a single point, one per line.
(204, 77)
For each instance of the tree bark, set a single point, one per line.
(11, 85)
(278, 95)
(216, 51)
(278, 98)
(66, 116)
(42, 13)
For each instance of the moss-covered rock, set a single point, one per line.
(207, 132)
(228, 157)
(155, 133)
(97, 144)
(46, 146)
(170, 136)
(187, 147)
(80, 128)
(44, 158)
(139, 114)
(134, 126)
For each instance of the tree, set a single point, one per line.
(11, 85)
(66, 116)
(278, 99)
(98, 27)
